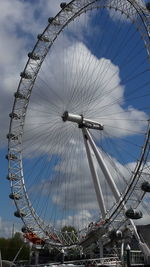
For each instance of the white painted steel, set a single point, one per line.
(96, 181)
(62, 19)
(104, 167)
(81, 121)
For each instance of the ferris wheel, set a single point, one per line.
(78, 142)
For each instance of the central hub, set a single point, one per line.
(81, 121)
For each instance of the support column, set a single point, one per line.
(0, 259)
(101, 251)
(36, 257)
(114, 188)
(62, 256)
(103, 167)
(96, 181)
(128, 256)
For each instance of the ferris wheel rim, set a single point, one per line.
(32, 216)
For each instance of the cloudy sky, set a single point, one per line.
(20, 23)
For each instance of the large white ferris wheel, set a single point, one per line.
(78, 142)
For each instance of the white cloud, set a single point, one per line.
(8, 228)
(83, 218)
(89, 94)
(20, 22)
(64, 139)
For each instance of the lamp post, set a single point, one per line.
(62, 256)
(128, 248)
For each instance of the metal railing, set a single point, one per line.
(136, 258)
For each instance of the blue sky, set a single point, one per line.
(20, 23)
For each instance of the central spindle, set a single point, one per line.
(81, 121)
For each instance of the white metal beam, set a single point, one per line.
(97, 186)
(103, 167)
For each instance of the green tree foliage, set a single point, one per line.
(69, 233)
(9, 248)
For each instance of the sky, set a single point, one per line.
(20, 23)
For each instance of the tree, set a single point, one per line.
(69, 234)
(10, 247)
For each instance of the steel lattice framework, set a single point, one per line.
(22, 96)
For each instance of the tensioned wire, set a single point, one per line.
(113, 36)
(97, 45)
(128, 94)
(107, 145)
(43, 169)
(139, 64)
(30, 175)
(46, 134)
(78, 87)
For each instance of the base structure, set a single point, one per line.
(90, 146)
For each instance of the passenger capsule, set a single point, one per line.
(43, 38)
(67, 7)
(133, 214)
(50, 19)
(14, 196)
(19, 95)
(55, 22)
(11, 157)
(12, 136)
(12, 177)
(14, 116)
(25, 75)
(34, 56)
(26, 229)
(145, 187)
(19, 213)
(63, 5)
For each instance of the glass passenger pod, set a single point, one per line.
(14, 116)
(43, 38)
(19, 213)
(15, 196)
(26, 229)
(12, 136)
(26, 75)
(133, 214)
(19, 95)
(145, 186)
(65, 6)
(11, 157)
(54, 21)
(50, 19)
(12, 177)
(33, 56)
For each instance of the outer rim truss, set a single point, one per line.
(22, 96)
